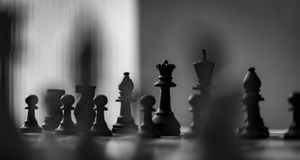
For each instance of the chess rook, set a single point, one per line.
(53, 104)
(66, 125)
(164, 118)
(100, 128)
(125, 122)
(31, 125)
(147, 129)
(254, 127)
(84, 109)
(294, 129)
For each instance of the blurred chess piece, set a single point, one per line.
(147, 129)
(100, 128)
(31, 125)
(164, 119)
(204, 70)
(254, 127)
(84, 109)
(294, 129)
(125, 122)
(66, 125)
(195, 102)
(54, 113)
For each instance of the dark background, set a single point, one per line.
(237, 35)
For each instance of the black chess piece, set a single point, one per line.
(125, 122)
(100, 128)
(66, 126)
(195, 102)
(84, 109)
(204, 70)
(54, 113)
(254, 127)
(294, 129)
(31, 125)
(164, 119)
(147, 129)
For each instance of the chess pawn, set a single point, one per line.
(100, 128)
(84, 109)
(147, 129)
(195, 102)
(164, 119)
(294, 129)
(31, 125)
(54, 113)
(254, 127)
(66, 126)
(125, 122)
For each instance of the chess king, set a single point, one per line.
(201, 102)
(164, 119)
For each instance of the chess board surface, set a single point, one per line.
(52, 146)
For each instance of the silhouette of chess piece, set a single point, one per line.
(66, 126)
(164, 119)
(147, 129)
(254, 127)
(204, 70)
(53, 104)
(125, 122)
(195, 102)
(294, 129)
(31, 125)
(100, 128)
(84, 109)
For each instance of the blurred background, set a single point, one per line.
(61, 43)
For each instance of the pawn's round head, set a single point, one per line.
(67, 100)
(32, 100)
(147, 101)
(100, 100)
(294, 98)
(194, 99)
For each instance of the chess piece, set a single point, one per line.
(84, 109)
(31, 125)
(100, 128)
(294, 129)
(66, 126)
(147, 129)
(204, 70)
(125, 122)
(53, 104)
(254, 127)
(164, 119)
(195, 102)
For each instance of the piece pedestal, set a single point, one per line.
(124, 126)
(293, 133)
(48, 124)
(65, 129)
(166, 124)
(148, 132)
(253, 133)
(100, 130)
(28, 127)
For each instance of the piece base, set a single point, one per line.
(166, 125)
(245, 133)
(35, 129)
(124, 129)
(101, 133)
(292, 134)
